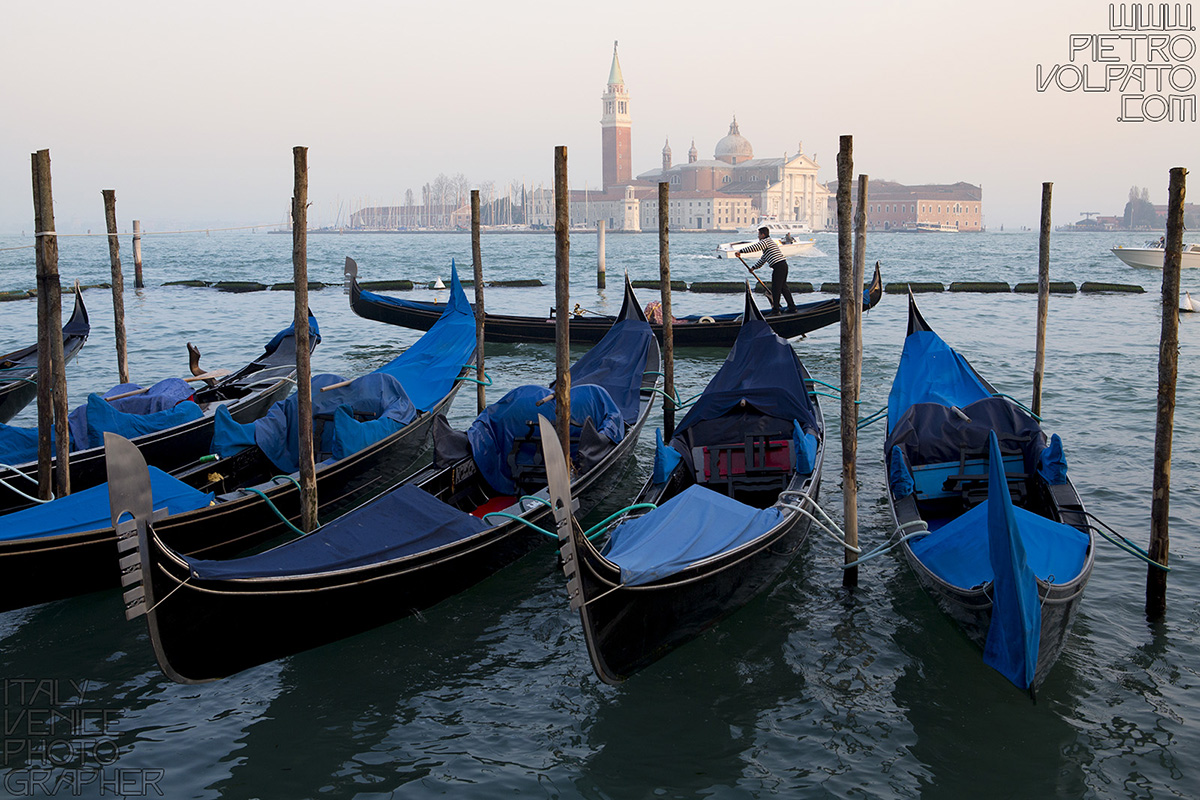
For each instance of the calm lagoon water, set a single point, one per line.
(808, 692)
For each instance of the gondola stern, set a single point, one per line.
(629, 306)
(751, 310)
(916, 322)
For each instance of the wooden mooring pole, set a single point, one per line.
(664, 288)
(477, 271)
(308, 470)
(138, 283)
(860, 267)
(851, 296)
(600, 254)
(51, 376)
(118, 283)
(1043, 309)
(562, 297)
(1168, 367)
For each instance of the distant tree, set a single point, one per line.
(1139, 211)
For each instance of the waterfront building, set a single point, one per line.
(895, 206)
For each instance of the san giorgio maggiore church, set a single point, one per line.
(733, 189)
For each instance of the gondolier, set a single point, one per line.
(771, 254)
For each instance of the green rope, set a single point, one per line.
(878, 415)
(487, 379)
(1122, 543)
(1018, 404)
(271, 506)
(597, 529)
(823, 383)
(521, 520)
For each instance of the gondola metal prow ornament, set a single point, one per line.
(559, 483)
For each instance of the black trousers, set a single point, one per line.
(779, 287)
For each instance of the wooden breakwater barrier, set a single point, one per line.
(699, 287)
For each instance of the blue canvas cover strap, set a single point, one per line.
(693, 525)
(88, 510)
(931, 371)
(403, 522)
(1016, 627)
(666, 458)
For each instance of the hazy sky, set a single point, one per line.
(190, 111)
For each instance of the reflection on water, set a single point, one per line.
(809, 690)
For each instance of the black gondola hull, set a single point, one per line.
(629, 628)
(589, 330)
(19, 386)
(209, 630)
(48, 568)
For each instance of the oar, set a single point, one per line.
(755, 274)
(203, 376)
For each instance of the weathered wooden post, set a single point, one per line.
(118, 283)
(304, 412)
(600, 254)
(562, 297)
(860, 266)
(664, 288)
(51, 375)
(851, 297)
(1043, 308)
(1168, 367)
(477, 265)
(138, 283)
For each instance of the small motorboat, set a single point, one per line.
(791, 248)
(1152, 254)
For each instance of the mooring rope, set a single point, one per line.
(1122, 543)
(16, 472)
(832, 530)
(891, 545)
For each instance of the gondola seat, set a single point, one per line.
(757, 464)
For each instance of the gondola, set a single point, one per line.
(700, 330)
(733, 496)
(367, 431)
(18, 369)
(992, 526)
(444, 529)
(171, 438)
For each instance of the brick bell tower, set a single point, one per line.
(615, 128)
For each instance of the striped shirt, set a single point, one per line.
(771, 252)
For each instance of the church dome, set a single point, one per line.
(734, 148)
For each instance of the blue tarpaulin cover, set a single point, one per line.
(1000, 543)
(376, 395)
(494, 432)
(1052, 463)
(387, 399)
(404, 521)
(88, 510)
(617, 362)
(931, 371)
(19, 445)
(691, 526)
(314, 335)
(762, 369)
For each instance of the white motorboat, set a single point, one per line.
(1151, 255)
(792, 248)
(777, 228)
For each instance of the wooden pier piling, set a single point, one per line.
(118, 283)
(1043, 309)
(600, 280)
(668, 332)
(477, 272)
(138, 283)
(304, 412)
(1168, 367)
(562, 297)
(51, 376)
(851, 297)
